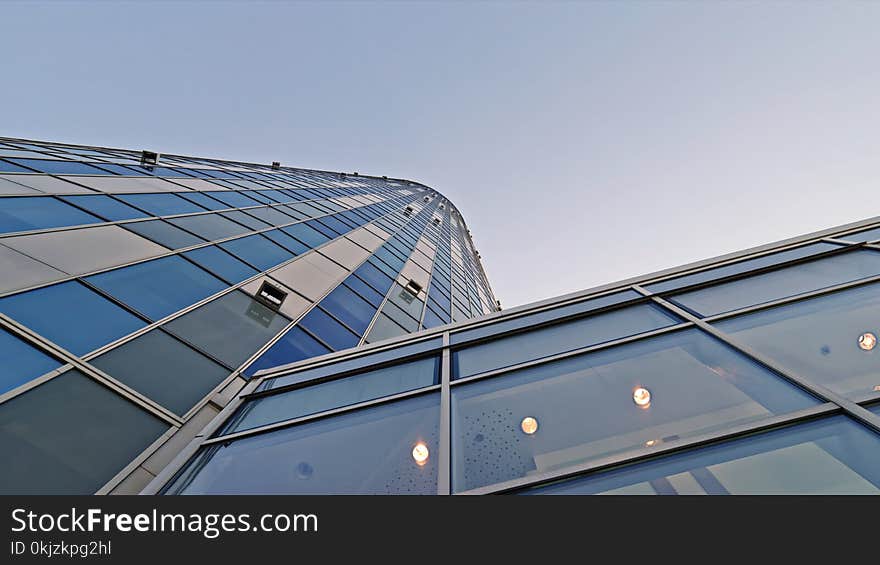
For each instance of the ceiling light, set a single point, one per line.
(642, 397)
(420, 453)
(867, 341)
(529, 425)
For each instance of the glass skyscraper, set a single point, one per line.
(140, 292)
(191, 326)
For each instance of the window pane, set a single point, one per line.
(368, 451)
(210, 226)
(819, 338)
(270, 215)
(245, 220)
(164, 369)
(164, 233)
(70, 435)
(203, 200)
(24, 213)
(829, 456)
(162, 204)
(258, 251)
(587, 407)
(744, 266)
(286, 241)
(350, 308)
(105, 207)
(21, 362)
(230, 328)
(233, 199)
(324, 327)
(867, 235)
(335, 394)
(788, 281)
(20, 271)
(221, 264)
(71, 315)
(551, 340)
(295, 345)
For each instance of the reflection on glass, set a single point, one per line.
(823, 339)
(368, 451)
(587, 410)
(830, 456)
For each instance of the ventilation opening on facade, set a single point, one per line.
(443, 206)
(276, 165)
(408, 211)
(436, 221)
(271, 295)
(426, 199)
(413, 287)
(149, 158)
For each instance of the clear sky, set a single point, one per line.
(585, 142)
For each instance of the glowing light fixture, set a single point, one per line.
(651, 443)
(867, 341)
(420, 453)
(642, 397)
(529, 425)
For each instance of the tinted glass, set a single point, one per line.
(867, 235)
(210, 226)
(40, 212)
(787, 281)
(286, 241)
(295, 345)
(368, 451)
(350, 308)
(60, 167)
(163, 369)
(233, 199)
(258, 251)
(106, 207)
(204, 200)
(21, 362)
(327, 329)
(230, 328)
(593, 405)
(306, 234)
(161, 204)
(71, 315)
(221, 264)
(164, 233)
(563, 337)
(245, 220)
(830, 456)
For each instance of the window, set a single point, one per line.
(626, 398)
(59, 167)
(286, 241)
(210, 226)
(20, 271)
(164, 233)
(306, 234)
(384, 328)
(335, 394)
(106, 207)
(230, 328)
(71, 315)
(830, 456)
(163, 369)
(203, 200)
(374, 277)
(329, 330)
(258, 251)
(367, 451)
(70, 435)
(233, 199)
(161, 204)
(160, 287)
(245, 220)
(347, 306)
(270, 215)
(867, 235)
(295, 345)
(25, 213)
(22, 362)
(364, 290)
(221, 264)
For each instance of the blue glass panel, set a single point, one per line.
(21, 362)
(105, 206)
(233, 199)
(221, 264)
(432, 320)
(245, 220)
(335, 224)
(161, 204)
(364, 290)
(203, 200)
(286, 241)
(374, 277)
(306, 234)
(350, 308)
(40, 212)
(625, 399)
(324, 327)
(59, 167)
(164, 233)
(744, 266)
(258, 196)
(830, 456)
(335, 394)
(258, 251)
(324, 230)
(7, 167)
(867, 235)
(787, 281)
(71, 315)
(209, 226)
(160, 287)
(367, 451)
(294, 346)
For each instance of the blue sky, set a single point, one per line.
(585, 142)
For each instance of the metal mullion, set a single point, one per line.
(444, 460)
(321, 415)
(640, 455)
(573, 353)
(851, 408)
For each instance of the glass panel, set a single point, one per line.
(406, 301)
(20, 271)
(364, 290)
(164, 369)
(550, 340)
(295, 345)
(160, 287)
(245, 220)
(258, 251)
(623, 399)
(230, 328)
(286, 241)
(368, 451)
(70, 435)
(233, 199)
(324, 327)
(164, 233)
(7, 167)
(203, 200)
(867, 235)
(24, 213)
(744, 266)
(335, 394)
(831, 340)
(161, 204)
(106, 207)
(221, 264)
(306, 234)
(21, 362)
(210, 226)
(350, 308)
(270, 215)
(829, 456)
(59, 167)
(788, 281)
(71, 315)
(384, 328)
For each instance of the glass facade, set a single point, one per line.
(161, 290)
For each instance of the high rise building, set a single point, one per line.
(140, 292)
